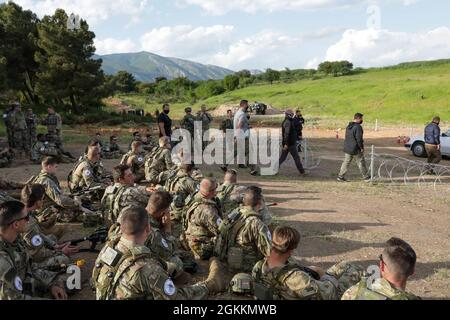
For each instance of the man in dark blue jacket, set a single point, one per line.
(433, 142)
(289, 136)
(354, 148)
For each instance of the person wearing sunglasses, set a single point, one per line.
(17, 278)
(397, 263)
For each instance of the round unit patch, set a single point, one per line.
(87, 172)
(219, 221)
(36, 241)
(164, 243)
(269, 235)
(140, 159)
(169, 287)
(18, 283)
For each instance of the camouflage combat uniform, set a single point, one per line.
(293, 282)
(381, 289)
(206, 120)
(111, 150)
(180, 187)
(202, 223)
(188, 123)
(137, 162)
(40, 149)
(4, 197)
(54, 127)
(19, 280)
(229, 201)
(32, 123)
(247, 241)
(138, 275)
(86, 175)
(40, 247)
(6, 158)
(20, 131)
(118, 197)
(156, 163)
(57, 206)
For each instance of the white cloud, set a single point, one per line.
(217, 7)
(91, 11)
(372, 47)
(186, 41)
(111, 45)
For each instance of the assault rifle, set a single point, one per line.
(99, 236)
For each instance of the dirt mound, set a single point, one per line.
(221, 111)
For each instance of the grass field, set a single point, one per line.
(408, 95)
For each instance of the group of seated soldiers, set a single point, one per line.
(163, 218)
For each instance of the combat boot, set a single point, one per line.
(215, 281)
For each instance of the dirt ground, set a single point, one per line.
(337, 221)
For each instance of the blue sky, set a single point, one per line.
(260, 34)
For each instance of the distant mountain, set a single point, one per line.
(146, 67)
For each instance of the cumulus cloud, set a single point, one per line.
(373, 48)
(111, 45)
(91, 11)
(216, 7)
(187, 41)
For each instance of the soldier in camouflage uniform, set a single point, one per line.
(202, 220)
(280, 277)
(159, 161)
(6, 158)
(19, 280)
(188, 122)
(112, 149)
(54, 126)
(206, 120)
(7, 121)
(43, 249)
(135, 159)
(89, 172)
(20, 130)
(226, 192)
(122, 194)
(57, 206)
(244, 238)
(180, 185)
(127, 270)
(397, 264)
(32, 123)
(227, 124)
(41, 149)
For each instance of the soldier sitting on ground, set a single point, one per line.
(41, 149)
(226, 190)
(159, 161)
(6, 157)
(397, 264)
(57, 206)
(202, 220)
(244, 238)
(144, 277)
(122, 194)
(16, 273)
(112, 149)
(280, 277)
(135, 160)
(43, 249)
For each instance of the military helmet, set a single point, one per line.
(242, 283)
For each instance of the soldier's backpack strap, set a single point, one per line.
(236, 227)
(125, 157)
(69, 176)
(116, 200)
(364, 293)
(32, 180)
(191, 203)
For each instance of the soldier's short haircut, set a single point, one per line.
(231, 172)
(118, 172)
(186, 167)
(211, 181)
(31, 194)
(50, 161)
(10, 211)
(163, 141)
(285, 239)
(134, 221)
(243, 103)
(158, 202)
(136, 144)
(252, 196)
(400, 258)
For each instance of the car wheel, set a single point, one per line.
(418, 149)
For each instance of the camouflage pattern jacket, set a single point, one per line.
(203, 220)
(381, 289)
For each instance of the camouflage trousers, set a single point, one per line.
(21, 140)
(112, 155)
(52, 261)
(347, 274)
(201, 250)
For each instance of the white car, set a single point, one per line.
(417, 145)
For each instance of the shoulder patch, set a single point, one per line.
(18, 283)
(87, 172)
(269, 235)
(36, 241)
(169, 287)
(219, 221)
(164, 243)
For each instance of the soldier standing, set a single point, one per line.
(280, 277)
(7, 121)
(54, 126)
(206, 120)
(202, 220)
(16, 274)
(32, 122)
(397, 264)
(20, 130)
(127, 270)
(188, 122)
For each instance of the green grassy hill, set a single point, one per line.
(409, 94)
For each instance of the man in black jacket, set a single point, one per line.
(354, 148)
(289, 135)
(433, 142)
